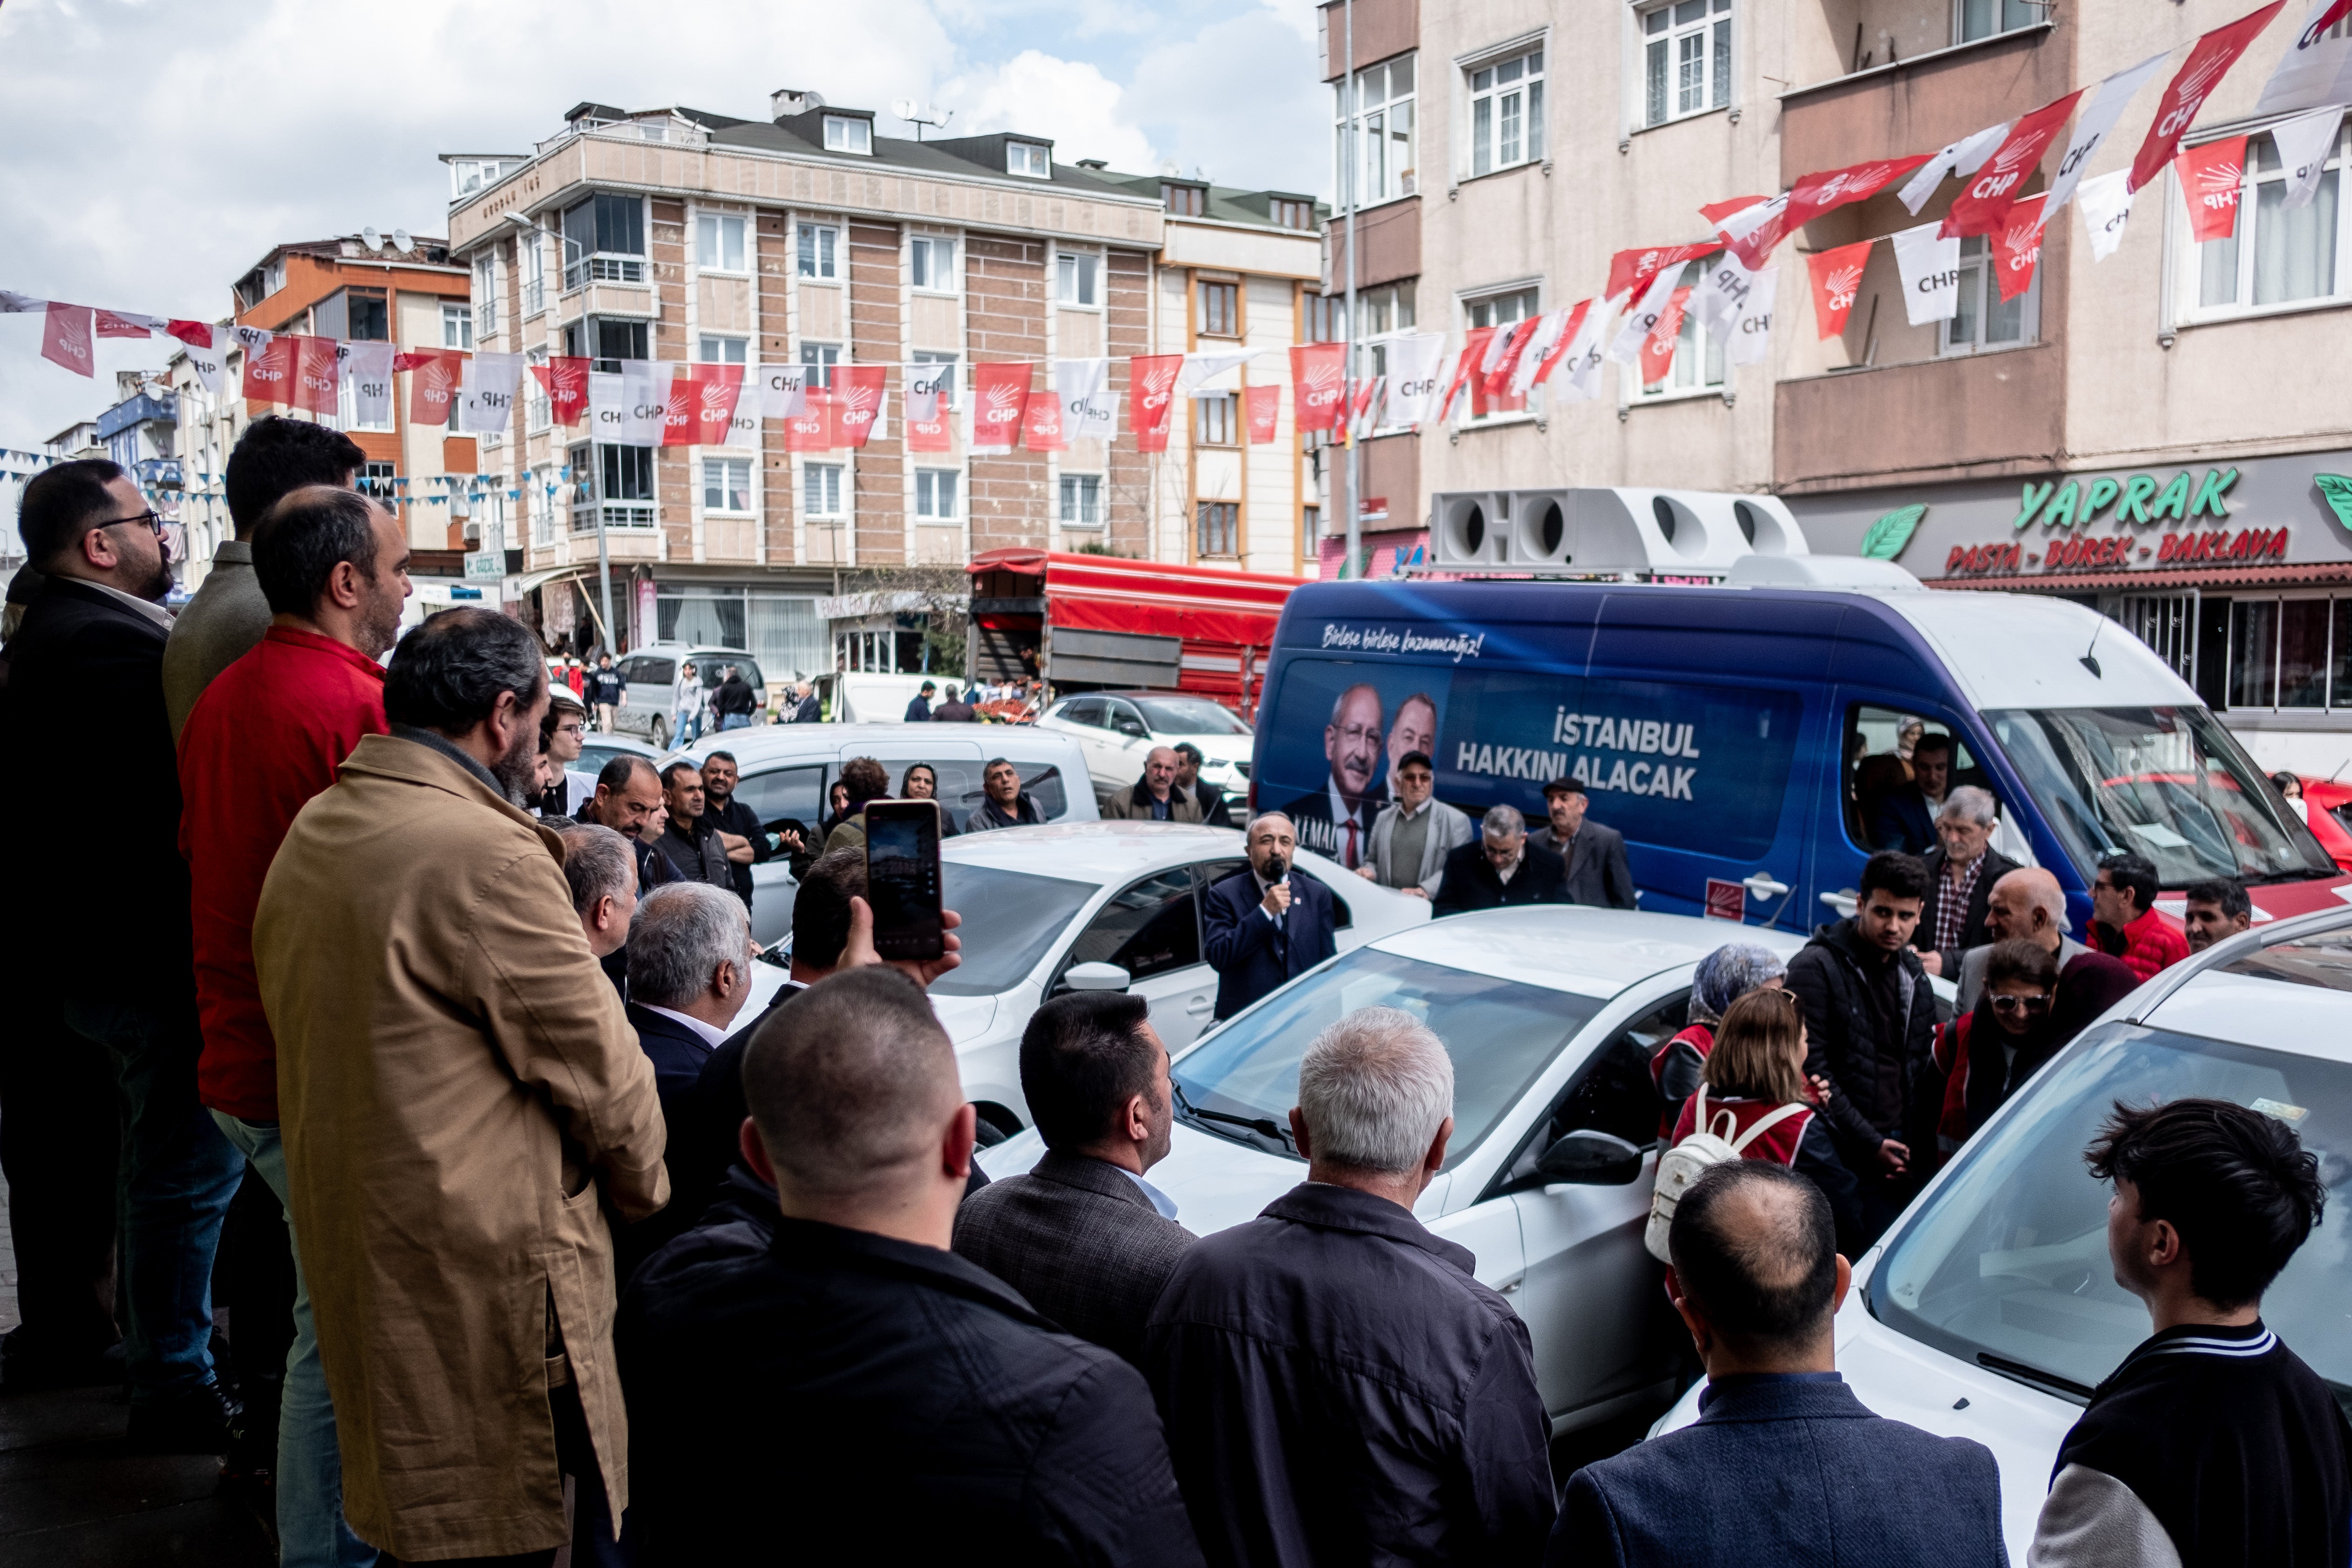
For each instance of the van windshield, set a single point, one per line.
(2005, 1266)
(2169, 783)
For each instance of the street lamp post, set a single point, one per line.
(1354, 121)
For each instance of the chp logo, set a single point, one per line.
(2009, 165)
(1321, 388)
(2020, 248)
(1157, 383)
(1843, 285)
(2190, 87)
(436, 380)
(2218, 185)
(1000, 402)
(858, 402)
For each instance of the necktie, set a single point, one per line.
(1350, 861)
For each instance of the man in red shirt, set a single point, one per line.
(2126, 923)
(266, 735)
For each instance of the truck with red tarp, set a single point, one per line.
(1088, 621)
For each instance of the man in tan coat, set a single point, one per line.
(463, 1102)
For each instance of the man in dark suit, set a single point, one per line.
(113, 946)
(1262, 926)
(1904, 818)
(809, 710)
(1784, 1463)
(1597, 871)
(1961, 871)
(1083, 1235)
(1500, 867)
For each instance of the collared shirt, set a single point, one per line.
(1262, 885)
(147, 607)
(711, 1035)
(1952, 908)
(1159, 1200)
(1159, 808)
(1348, 830)
(450, 750)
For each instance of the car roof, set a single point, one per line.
(1093, 851)
(2284, 986)
(1571, 948)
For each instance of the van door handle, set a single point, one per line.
(1511, 1285)
(1761, 886)
(1845, 901)
(1198, 1006)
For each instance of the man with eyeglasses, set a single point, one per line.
(564, 732)
(113, 942)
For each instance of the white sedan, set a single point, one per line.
(1550, 1013)
(1116, 730)
(1038, 902)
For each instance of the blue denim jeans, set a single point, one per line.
(310, 1529)
(172, 1189)
(736, 721)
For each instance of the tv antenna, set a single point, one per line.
(919, 115)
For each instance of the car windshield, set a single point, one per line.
(1009, 919)
(2169, 783)
(1190, 716)
(2006, 1264)
(1500, 1034)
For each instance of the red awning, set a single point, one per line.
(1109, 593)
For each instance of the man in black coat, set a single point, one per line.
(915, 1409)
(1870, 1022)
(1784, 1465)
(1500, 867)
(1598, 873)
(1083, 1235)
(1961, 871)
(734, 821)
(1338, 1386)
(113, 946)
(1263, 927)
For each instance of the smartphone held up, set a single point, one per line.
(902, 879)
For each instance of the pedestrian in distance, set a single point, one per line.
(1983, 1057)
(1597, 873)
(1903, 818)
(1962, 868)
(807, 710)
(981, 1430)
(1414, 832)
(741, 835)
(686, 701)
(1214, 813)
(600, 868)
(1005, 804)
(1083, 1235)
(2215, 910)
(920, 781)
(1338, 1386)
(2125, 920)
(954, 710)
(2213, 1443)
(734, 702)
(1501, 869)
(1264, 926)
(606, 693)
(1155, 797)
(1722, 977)
(461, 1101)
(864, 782)
(691, 843)
(2028, 905)
(1784, 1465)
(918, 707)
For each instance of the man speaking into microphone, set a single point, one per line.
(1266, 925)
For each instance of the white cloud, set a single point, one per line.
(1069, 100)
(1242, 99)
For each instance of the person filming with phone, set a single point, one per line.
(1269, 924)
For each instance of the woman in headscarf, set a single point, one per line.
(1724, 976)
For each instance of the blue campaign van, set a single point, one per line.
(1739, 735)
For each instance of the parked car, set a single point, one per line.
(602, 746)
(1117, 729)
(1039, 901)
(1550, 1013)
(1990, 1311)
(650, 676)
(786, 771)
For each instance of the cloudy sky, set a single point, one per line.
(156, 149)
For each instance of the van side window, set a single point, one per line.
(1882, 811)
(793, 796)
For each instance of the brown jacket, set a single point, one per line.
(454, 1076)
(1135, 805)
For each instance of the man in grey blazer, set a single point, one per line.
(1083, 1235)
(1597, 871)
(1414, 832)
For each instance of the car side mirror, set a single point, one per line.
(1132, 730)
(1590, 1158)
(1095, 978)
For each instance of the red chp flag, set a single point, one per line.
(936, 434)
(194, 334)
(2211, 176)
(1041, 424)
(316, 375)
(122, 324)
(1568, 333)
(1150, 391)
(679, 419)
(66, 338)
(431, 387)
(1658, 348)
(565, 379)
(1630, 271)
(857, 393)
(1490, 391)
(810, 430)
(1811, 198)
(2209, 59)
(1316, 372)
(1984, 202)
(2018, 249)
(1000, 396)
(1263, 405)
(1837, 278)
(1465, 368)
(269, 374)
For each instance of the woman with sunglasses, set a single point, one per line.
(1982, 1057)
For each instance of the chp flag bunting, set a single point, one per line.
(1658, 347)
(1473, 353)
(2209, 59)
(1316, 370)
(564, 378)
(2211, 176)
(1084, 388)
(1043, 426)
(1416, 379)
(15, 304)
(2304, 144)
(2105, 202)
(1582, 358)
(195, 334)
(858, 397)
(1631, 271)
(268, 366)
(1810, 198)
(370, 368)
(1837, 278)
(1263, 406)
(1000, 393)
(1722, 292)
(1490, 390)
(782, 390)
(1928, 260)
(2018, 248)
(316, 375)
(1979, 208)
(1151, 393)
(928, 392)
(1750, 330)
(645, 397)
(1531, 356)
(2317, 68)
(1963, 157)
(123, 324)
(1202, 369)
(2090, 130)
(211, 364)
(486, 392)
(811, 429)
(66, 338)
(607, 406)
(1644, 318)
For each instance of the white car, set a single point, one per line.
(1550, 1013)
(1038, 902)
(1116, 730)
(1990, 1311)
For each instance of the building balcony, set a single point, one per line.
(137, 410)
(1921, 103)
(607, 300)
(1976, 416)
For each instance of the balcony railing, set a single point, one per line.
(605, 269)
(534, 296)
(616, 513)
(485, 318)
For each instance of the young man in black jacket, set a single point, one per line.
(1870, 1022)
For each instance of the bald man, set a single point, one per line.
(2028, 902)
(1336, 820)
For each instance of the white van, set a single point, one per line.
(787, 770)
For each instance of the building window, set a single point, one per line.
(2276, 257)
(1498, 311)
(539, 501)
(847, 133)
(821, 489)
(1077, 279)
(607, 342)
(1028, 159)
(628, 473)
(1221, 315)
(727, 483)
(932, 264)
(1292, 214)
(2280, 654)
(1310, 528)
(1217, 527)
(375, 480)
(537, 413)
(1686, 59)
(724, 351)
(820, 358)
(719, 242)
(371, 319)
(1506, 113)
(935, 495)
(1974, 19)
(1082, 501)
(819, 244)
(1183, 201)
(1986, 320)
(604, 241)
(1383, 117)
(486, 294)
(457, 327)
(950, 392)
(616, 485)
(1697, 363)
(1216, 419)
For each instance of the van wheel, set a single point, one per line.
(660, 733)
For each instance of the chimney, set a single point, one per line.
(786, 102)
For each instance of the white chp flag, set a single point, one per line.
(1963, 157)
(1088, 411)
(930, 386)
(1748, 335)
(743, 425)
(1201, 369)
(1931, 267)
(1582, 362)
(2304, 144)
(252, 340)
(1416, 379)
(12, 304)
(784, 390)
(2092, 130)
(1723, 291)
(644, 398)
(1548, 329)
(369, 367)
(2106, 202)
(1738, 225)
(486, 392)
(2317, 68)
(1644, 318)
(210, 363)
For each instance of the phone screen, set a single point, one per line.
(902, 878)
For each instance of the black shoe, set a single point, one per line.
(196, 1422)
(253, 1435)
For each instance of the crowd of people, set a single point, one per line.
(574, 1253)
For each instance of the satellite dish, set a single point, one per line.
(372, 238)
(904, 107)
(402, 242)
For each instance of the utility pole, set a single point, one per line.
(1355, 123)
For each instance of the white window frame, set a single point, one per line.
(817, 252)
(953, 390)
(2189, 269)
(1714, 31)
(823, 490)
(2004, 16)
(1389, 170)
(1978, 284)
(1504, 116)
(928, 483)
(1699, 368)
(538, 413)
(727, 469)
(542, 508)
(821, 358)
(1527, 298)
(722, 349)
(486, 293)
(715, 235)
(1082, 500)
(849, 133)
(1078, 273)
(1028, 160)
(924, 255)
(533, 255)
(456, 326)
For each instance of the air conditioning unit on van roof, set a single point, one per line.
(1617, 532)
(1822, 572)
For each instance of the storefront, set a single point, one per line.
(2238, 574)
(776, 620)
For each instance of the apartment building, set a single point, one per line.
(2185, 385)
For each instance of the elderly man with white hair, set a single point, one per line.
(1337, 1386)
(2029, 903)
(1504, 866)
(1961, 871)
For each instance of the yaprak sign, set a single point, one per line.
(2269, 511)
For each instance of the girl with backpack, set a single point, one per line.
(1753, 1103)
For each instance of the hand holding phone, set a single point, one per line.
(902, 880)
